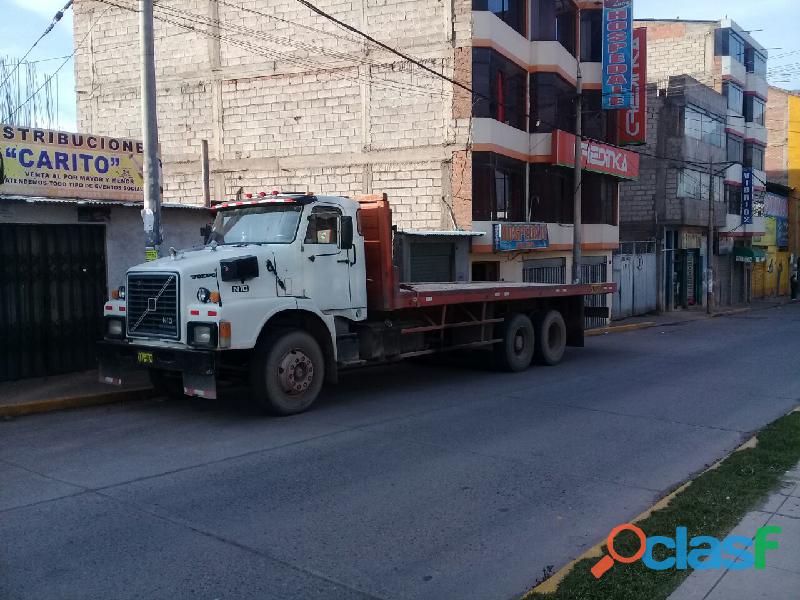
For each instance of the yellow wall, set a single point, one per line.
(794, 172)
(765, 283)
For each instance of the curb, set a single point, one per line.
(619, 328)
(53, 404)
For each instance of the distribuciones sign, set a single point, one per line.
(509, 237)
(597, 157)
(617, 54)
(56, 164)
(633, 130)
(747, 196)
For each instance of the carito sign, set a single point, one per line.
(509, 237)
(56, 164)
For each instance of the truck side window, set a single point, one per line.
(323, 226)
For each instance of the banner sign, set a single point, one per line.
(56, 164)
(747, 196)
(597, 157)
(617, 54)
(509, 237)
(634, 120)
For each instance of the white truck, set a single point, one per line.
(291, 289)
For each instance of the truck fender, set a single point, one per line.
(319, 325)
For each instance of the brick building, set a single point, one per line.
(288, 100)
(716, 58)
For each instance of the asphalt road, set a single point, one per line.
(413, 482)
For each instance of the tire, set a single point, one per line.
(287, 373)
(551, 338)
(167, 383)
(515, 352)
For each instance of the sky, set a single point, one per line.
(24, 20)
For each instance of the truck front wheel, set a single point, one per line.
(551, 338)
(287, 373)
(515, 352)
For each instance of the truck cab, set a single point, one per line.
(299, 256)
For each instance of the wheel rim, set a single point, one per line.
(296, 372)
(519, 342)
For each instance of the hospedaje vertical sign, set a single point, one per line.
(633, 126)
(747, 196)
(617, 54)
(57, 164)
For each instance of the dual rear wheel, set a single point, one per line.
(543, 340)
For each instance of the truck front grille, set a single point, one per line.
(152, 300)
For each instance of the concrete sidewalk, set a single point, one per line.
(781, 578)
(72, 390)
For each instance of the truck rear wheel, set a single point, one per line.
(287, 373)
(515, 352)
(551, 338)
(167, 383)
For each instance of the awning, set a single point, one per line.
(749, 255)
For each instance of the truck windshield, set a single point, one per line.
(257, 225)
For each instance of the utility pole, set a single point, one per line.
(151, 215)
(710, 267)
(577, 236)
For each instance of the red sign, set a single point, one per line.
(597, 157)
(633, 127)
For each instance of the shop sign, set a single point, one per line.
(691, 241)
(509, 237)
(597, 157)
(747, 196)
(725, 246)
(634, 120)
(617, 54)
(57, 164)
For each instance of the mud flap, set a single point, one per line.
(201, 386)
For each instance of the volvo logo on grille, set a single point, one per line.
(152, 304)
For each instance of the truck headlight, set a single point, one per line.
(115, 328)
(202, 334)
(203, 295)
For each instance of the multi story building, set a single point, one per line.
(721, 56)
(288, 100)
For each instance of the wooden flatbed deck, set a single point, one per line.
(439, 294)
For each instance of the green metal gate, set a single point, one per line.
(52, 290)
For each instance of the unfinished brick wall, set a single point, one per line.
(777, 122)
(287, 99)
(680, 48)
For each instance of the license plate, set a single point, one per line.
(145, 358)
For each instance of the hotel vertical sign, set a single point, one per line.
(617, 54)
(633, 127)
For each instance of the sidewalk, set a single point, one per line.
(699, 313)
(781, 578)
(68, 391)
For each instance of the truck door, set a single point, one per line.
(326, 266)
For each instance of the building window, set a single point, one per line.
(733, 199)
(552, 103)
(486, 271)
(735, 96)
(598, 199)
(598, 124)
(754, 156)
(551, 195)
(728, 43)
(554, 20)
(498, 188)
(545, 270)
(755, 62)
(702, 126)
(503, 83)
(735, 149)
(754, 109)
(694, 184)
(592, 35)
(511, 12)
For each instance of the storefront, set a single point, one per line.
(70, 226)
(685, 256)
(771, 277)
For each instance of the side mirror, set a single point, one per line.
(347, 233)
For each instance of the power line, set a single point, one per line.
(61, 66)
(56, 18)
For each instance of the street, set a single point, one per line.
(418, 481)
